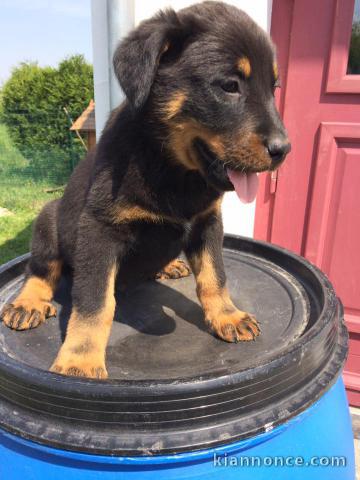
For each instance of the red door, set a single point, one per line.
(313, 205)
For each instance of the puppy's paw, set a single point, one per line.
(235, 326)
(175, 269)
(26, 314)
(79, 366)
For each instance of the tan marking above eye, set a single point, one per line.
(244, 66)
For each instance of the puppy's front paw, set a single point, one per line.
(75, 366)
(235, 326)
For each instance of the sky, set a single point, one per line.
(48, 30)
(43, 30)
(357, 11)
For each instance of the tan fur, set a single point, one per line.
(183, 134)
(244, 66)
(83, 352)
(35, 289)
(125, 213)
(276, 71)
(207, 284)
(260, 160)
(247, 149)
(174, 105)
(243, 149)
(175, 269)
(33, 304)
(55, 268)
(260, 155)
(222, 316)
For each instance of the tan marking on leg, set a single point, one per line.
(175, 269)
(83, 352)
(33, 304)
(244, 66)
(229, 323)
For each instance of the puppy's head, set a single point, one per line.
(207, 76)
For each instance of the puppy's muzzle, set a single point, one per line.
(277, 147)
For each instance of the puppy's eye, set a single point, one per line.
(231, 86)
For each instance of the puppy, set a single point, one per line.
(199, 120)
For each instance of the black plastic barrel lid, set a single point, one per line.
(159, 330)
(173, 386)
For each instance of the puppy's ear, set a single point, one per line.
(137, 57)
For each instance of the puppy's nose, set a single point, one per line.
(278, 147)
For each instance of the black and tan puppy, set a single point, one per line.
(199, 120)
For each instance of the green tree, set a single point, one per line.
(33, 101)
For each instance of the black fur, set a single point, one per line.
(194, 52)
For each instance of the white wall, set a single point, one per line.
(110, 20)
(238, 218)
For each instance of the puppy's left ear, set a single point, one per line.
(137, 57)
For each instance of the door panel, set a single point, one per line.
(333, 233)
(338, 81)
(315, 207)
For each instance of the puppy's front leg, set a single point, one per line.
(83, 351)
(204, 252)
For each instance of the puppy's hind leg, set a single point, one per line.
(175, 269)
(33, 304)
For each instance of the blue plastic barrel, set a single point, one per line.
(180, 403)
(317, 444)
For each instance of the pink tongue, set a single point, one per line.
(245, 184)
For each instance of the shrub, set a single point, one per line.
(33, 101)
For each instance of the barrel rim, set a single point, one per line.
(328, 331)
(330, 301)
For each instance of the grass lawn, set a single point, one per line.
(22, 196)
